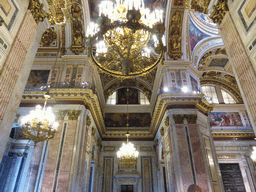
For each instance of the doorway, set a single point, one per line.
(126, 188)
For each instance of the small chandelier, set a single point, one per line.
(127, 40)
(40, 124)
(127, 154)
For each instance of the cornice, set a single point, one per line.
(176, 100)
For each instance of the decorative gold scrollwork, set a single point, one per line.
(175, 35)
(179, 119)
(162, 131)
(73, 115)
(166, 121)
(77, 29)
(48, 37)
(60, 114)
(219, 11)
(88, 121)
(37, 11)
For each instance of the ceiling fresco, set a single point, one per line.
(195, 35)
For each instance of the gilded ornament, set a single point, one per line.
(74, 114)
(77, 28)
(60, 115)
(37, 11)
(175, 32)
(191, 118)
(88, 121)
(166, 121)
(162, 131)
(178, 119)
(48, 37)
(98, 143)
(1, 22)
(219, 11)
(93, 131)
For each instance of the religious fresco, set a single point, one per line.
(151, 4)
(194, 84)
(247, 14)
(134, 119)
(133, 96)
(8, 12)
(37, 78)
(195, 35)
(229, 121)
(218, 62)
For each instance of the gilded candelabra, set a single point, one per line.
(127, 40)
(40, 124)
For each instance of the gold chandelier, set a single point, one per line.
(127, 154)
(127, 40)
(40, 124)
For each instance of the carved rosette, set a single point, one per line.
(175, 31)
(219, 11)
(77, 26)
(48, 37)
(179, 119)
(37, 11)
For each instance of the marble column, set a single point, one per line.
(189, 151)
(15, 72)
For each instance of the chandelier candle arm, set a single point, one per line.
(40, 124)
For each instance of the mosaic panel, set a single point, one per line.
(8, 12)
(218, 62)
(247, 14)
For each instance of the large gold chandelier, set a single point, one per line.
(127, 154)
(127, 39)
(40, 124)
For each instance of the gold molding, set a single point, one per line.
(37, 10)
(228, 134)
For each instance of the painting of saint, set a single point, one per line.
(37, 78)
(195, 35)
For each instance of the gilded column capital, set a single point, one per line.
(88, 121)
(219, 11)
(73, 114)
(178, 119)
(37, 11)
(191, 118)
(60, 114)
(166, 121)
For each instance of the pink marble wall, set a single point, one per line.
(51, 162)
(201, 174)
(187, 176)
